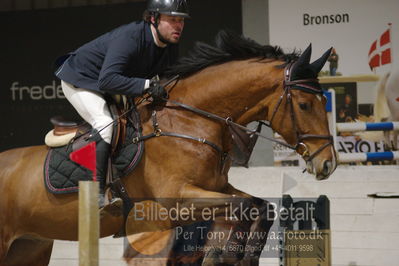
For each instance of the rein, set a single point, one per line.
(228, 121)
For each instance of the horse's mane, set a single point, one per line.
(228, 46)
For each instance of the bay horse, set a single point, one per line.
(238, 80)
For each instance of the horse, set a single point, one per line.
(237, 80)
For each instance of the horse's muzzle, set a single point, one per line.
(327, 169)
(322, 171)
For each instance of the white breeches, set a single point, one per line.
(92, 107)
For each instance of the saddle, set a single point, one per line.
(62, 175)
(65, 131)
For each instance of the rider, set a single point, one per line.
(122, 61)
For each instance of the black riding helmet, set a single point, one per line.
(168, 7)
(177, 8)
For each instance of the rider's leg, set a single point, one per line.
(92, 107)
(102, 153)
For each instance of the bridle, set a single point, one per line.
(302, 85)
(288, 87)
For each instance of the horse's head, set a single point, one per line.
(299, 115)
(246, 83)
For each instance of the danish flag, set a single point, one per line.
(380, 50)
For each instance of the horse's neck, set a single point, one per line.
(231, 90)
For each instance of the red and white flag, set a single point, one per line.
(380, 50)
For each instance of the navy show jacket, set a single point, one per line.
(118, 62)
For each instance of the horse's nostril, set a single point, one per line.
(327, 167)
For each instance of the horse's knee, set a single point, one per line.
(24, 251)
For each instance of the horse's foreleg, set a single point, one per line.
(259, 229)
(233, 218)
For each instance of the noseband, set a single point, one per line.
(303, 85)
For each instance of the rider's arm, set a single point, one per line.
(121, 52)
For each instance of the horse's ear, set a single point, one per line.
(319, 63)
(304, 59)
(301, 69)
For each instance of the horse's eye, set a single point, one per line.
(304, 106)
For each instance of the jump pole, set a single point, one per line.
(355, 127)
(89, 223)
(363, 126)
(368, 156)
(89, 217)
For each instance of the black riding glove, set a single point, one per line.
(156, 90)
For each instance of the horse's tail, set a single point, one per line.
(381, 109)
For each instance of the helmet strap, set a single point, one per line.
(160, 37)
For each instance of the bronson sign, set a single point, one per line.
(325, 19)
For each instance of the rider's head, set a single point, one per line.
(167, 17)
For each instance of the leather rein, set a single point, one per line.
(288, 86)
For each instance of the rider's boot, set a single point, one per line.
(102, 154)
